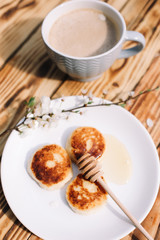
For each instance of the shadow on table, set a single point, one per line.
(26, 51)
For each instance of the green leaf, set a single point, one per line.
(122, 105)
(90, 102)
(77, 111)
(31, 102)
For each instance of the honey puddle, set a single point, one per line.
(116, 163)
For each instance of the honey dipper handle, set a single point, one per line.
(135, 222)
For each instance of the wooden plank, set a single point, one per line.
(13, 230)
(15, 27)
(20, 234)
(152, 221)
(29, 73)
(149, 102)
(33, 237)
(137, 10)
(44, 83)
(6, 221)
(117, 4)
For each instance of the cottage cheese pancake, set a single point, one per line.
(85, 140)
(83, 33)
(85, 197)
(50, 167)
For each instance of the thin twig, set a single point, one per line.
(13, 128)
(72, 110)
(112, 103)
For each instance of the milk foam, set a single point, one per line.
(83, 33)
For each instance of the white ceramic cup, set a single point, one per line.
(90, 68)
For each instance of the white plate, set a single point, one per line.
(46, 213)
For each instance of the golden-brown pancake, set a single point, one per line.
(85, 140)
(51, 167)
(85, 197)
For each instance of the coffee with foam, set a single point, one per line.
(83, 33)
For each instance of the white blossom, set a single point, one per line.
(22, 127)
(45, 117)
(38, 110)
(51, 107)
(131, 93)
(46, 125)
(105, 92)
(83, 91)
(85, 100)
(129, 103)
(55, 107)
(42, 123)
(29, 122)
(90, 95)
(149, 122)
(35, 124)
(30, 115)
(45, 100)
(45, 103)
(24, 130)
(57, 111)
(103, 101)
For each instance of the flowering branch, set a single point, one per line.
(121, 102)
(46, 113)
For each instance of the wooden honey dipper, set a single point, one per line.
(92, 171)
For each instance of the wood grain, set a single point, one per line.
(15, 28)
(29, 73)
(26, 70)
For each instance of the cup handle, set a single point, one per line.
(133, 36)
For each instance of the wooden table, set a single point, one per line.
(26, 70)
